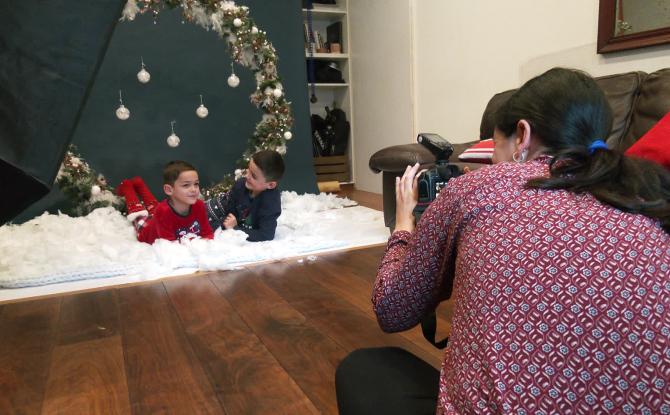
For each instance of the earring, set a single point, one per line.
(202, 110)
(233, 80)
(143, 75)
(520, 157)
(122, 112)
(173, 140)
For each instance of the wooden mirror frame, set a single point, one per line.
(607, 42)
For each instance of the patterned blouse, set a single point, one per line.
(562, 304)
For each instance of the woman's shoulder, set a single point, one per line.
(507, 172)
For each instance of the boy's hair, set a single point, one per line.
(173, 169)
(271, 164)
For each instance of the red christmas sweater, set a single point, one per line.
(165, 223)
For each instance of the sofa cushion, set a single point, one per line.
(655, 144)
(651, 105)
(621, 91)
(480, 152)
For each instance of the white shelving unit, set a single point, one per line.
(333, 95)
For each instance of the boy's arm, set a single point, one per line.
(267, 216)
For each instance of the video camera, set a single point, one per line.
(433, 180)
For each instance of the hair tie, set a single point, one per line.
(596, 145)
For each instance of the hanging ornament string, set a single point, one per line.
(202, 110)
(173, 140)
(122, 112)
(233, 80)
(310, 51)
(143, 75)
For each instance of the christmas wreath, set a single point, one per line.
(249, 47)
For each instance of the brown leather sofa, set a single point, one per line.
(638, 101)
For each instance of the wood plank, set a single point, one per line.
(357, 292)
(347, 325)
(88, 316)
(334, 168)
(365, 268)
(249, 380)
(307, 355)
(330, 160)
(342, 177)
(26, 346)
(367, 199)
(87, 378)
(162, 371)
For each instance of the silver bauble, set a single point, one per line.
(237, 22)
(202, 111)
(288, 135)
(233, 81)
(143, 76)
(173, 140)
(277, 92)
(122, 113)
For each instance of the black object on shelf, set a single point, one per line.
(307, 4)
(334, 34)
(325, 72)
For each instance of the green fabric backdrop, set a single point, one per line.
(185, 61)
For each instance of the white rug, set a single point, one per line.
(56, 253)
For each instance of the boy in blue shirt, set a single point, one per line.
(253, 204)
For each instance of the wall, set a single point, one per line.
(467, 51)
(461, 54)
(185, 61)
(381, 53)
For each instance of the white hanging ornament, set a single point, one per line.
(122, 112)
(95, 190)
(254, 30)
(288, 135)
(202, 110)
(173, 140)
(233, 80)
(143, 75)
(277, 92)
(237, 22)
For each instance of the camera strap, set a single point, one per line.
(429, 327)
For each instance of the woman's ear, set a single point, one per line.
(523, 133)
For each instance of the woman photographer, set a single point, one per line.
(558, 257)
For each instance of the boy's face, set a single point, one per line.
(256, 180)
(186, 188)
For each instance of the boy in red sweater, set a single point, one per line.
(181, 215)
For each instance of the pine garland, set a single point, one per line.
(249, 47)
(83, 187)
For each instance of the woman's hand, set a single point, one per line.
(406, 196)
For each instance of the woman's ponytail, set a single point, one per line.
(570, 115)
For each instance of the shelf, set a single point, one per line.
(329, 85)
(329, 56)
(321, 12)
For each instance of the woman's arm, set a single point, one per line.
(417, 269)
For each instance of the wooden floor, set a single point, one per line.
(263, 339)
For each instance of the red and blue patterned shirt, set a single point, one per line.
(562, 304)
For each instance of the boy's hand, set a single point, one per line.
(230, 222)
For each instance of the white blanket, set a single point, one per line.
(57, 248)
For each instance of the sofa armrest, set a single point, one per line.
(393, 160)
(396, 158)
